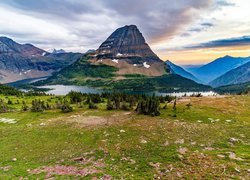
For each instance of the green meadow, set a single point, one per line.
(204, 138)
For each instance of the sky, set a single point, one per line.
(183, 31)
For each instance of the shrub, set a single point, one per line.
(110, 105)
(65, 107)
(10, 102)
(148, 106)
(125, 106)
(38, 106)
(92, 105)
(3, 107)
(24, 106)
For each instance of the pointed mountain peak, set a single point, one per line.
(126, 42)
(59, 51)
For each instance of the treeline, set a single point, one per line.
(142, 104)
(9, 91)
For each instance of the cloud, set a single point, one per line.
(91, 21)
(224, 3)
(236, 41)
(207, 24)
(161, 19)
(81, 25)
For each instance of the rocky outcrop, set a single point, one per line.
(126, 43)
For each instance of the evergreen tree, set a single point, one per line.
(38, 106)
(92, 105)
(175, 108)
(65, 107)
(110, 105)
(24, 106)
(3, 107)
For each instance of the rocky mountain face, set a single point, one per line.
(126, 42)
(235, 76)
(22, 61)
(218, 67)
(127, 50)
(174, 69)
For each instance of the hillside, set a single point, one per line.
(23, 61)
(174, 69)
(236, 76)
(218, 67)
(243, 88)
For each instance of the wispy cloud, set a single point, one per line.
(236, 41)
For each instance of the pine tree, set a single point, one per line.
(110, 105)
(65, 107)
(24, 106)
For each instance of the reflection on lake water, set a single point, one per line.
(65, 89)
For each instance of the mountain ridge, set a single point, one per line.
(238, 75)
(218, 67)
(175, 69)
(23, 61)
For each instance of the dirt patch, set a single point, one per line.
(64, 170)
(85, 120)
(90, 120)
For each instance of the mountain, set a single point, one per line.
(191, 67)
(218, 67)
(23, 61)
(235, 76)
(127, 50)
(243, 88)
(7, 45)
(59, 51)
(123, 62)
(174, 69)
(126, 42)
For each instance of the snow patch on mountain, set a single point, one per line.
(146, 65)
(115, 61)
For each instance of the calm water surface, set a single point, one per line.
(65, 89)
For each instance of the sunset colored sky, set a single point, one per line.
(183, 31)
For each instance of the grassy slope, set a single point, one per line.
(123, 154)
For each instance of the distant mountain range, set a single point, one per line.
(238, 75)
(124, 61)
(22, 61)
(59, 51)
(217, 68)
